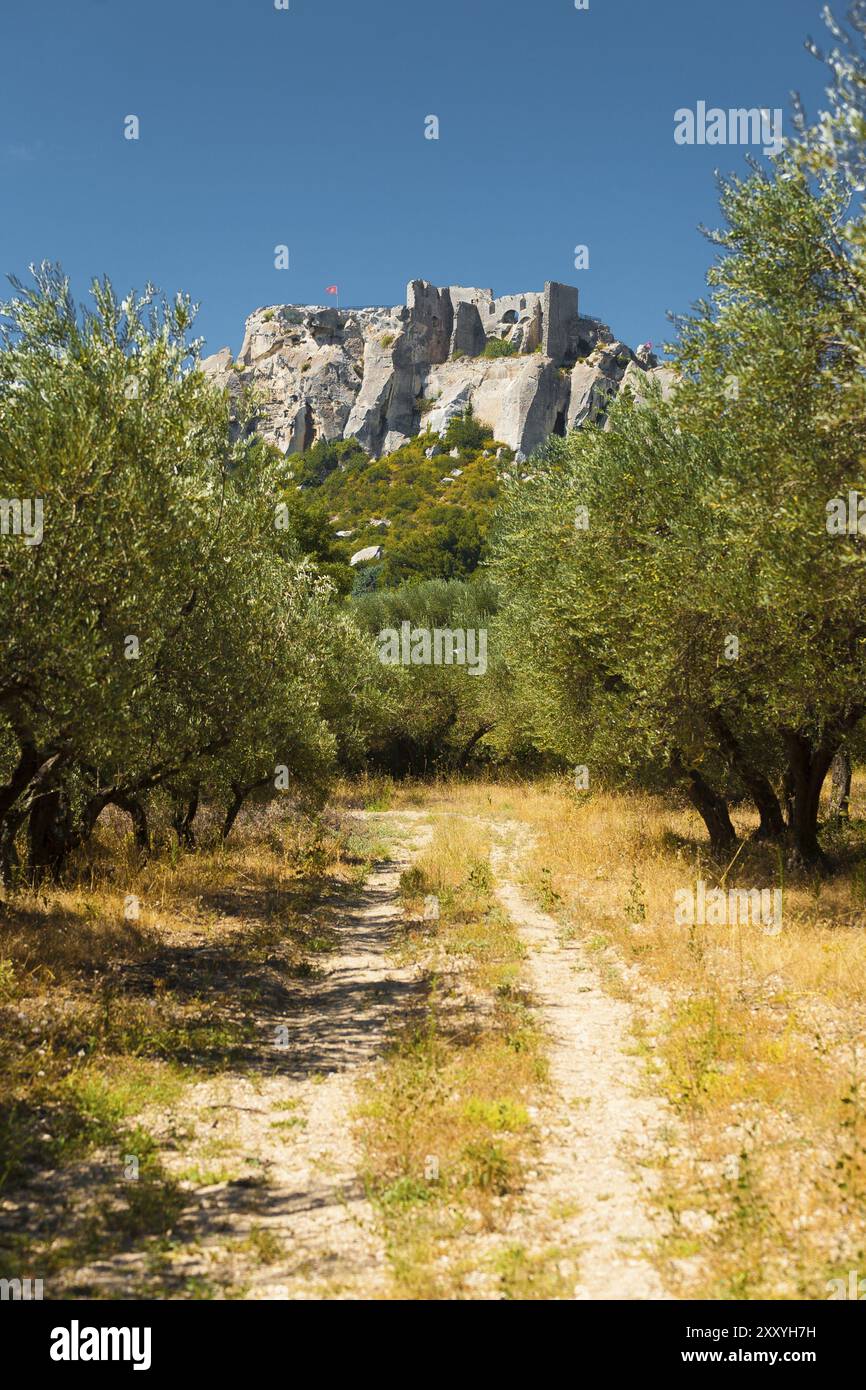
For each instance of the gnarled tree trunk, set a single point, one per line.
(138, 815)
(772, 826)
(50, 836)
(10, 824)
(183, 815)
(840, 790)
(808, 765)
(710, 806)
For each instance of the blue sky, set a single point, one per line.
(306, 128)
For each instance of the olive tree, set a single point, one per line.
(162, 629)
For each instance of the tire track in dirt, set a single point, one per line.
(586, 1189)
(293, 1221)
(312, 1200)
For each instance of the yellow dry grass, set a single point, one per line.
(131, 981)
(756, 1039)
(445, 1123)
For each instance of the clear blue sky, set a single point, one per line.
(306, 127)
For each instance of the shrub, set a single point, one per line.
(465, 432)
(499, 347)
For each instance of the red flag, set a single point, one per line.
(331, 289)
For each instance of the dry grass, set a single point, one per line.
(446, 1124)
(102, 1017)
(370, 791)
(757, 1040)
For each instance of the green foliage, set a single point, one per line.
(312, 468)
(165, 631)
(437, 529)
(465, 432)
(366, 580)
(499, 347)
(434, 717)
(707, 521)
(450, 549)
(313, 534)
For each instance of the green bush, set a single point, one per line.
(499, 347)
(465, 431)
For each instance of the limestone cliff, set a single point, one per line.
(383, 375)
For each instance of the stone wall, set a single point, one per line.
(382, 375)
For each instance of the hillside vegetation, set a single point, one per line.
(431, 515)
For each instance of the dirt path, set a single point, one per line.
(279, 1210)
(586, 1189)
(302, 1189)
(310, 1203)
(271, 1203)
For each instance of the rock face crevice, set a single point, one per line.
(384, 375)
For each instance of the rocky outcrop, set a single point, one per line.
(367, 556)
(383, 375)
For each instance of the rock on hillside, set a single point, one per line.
(384, 375)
